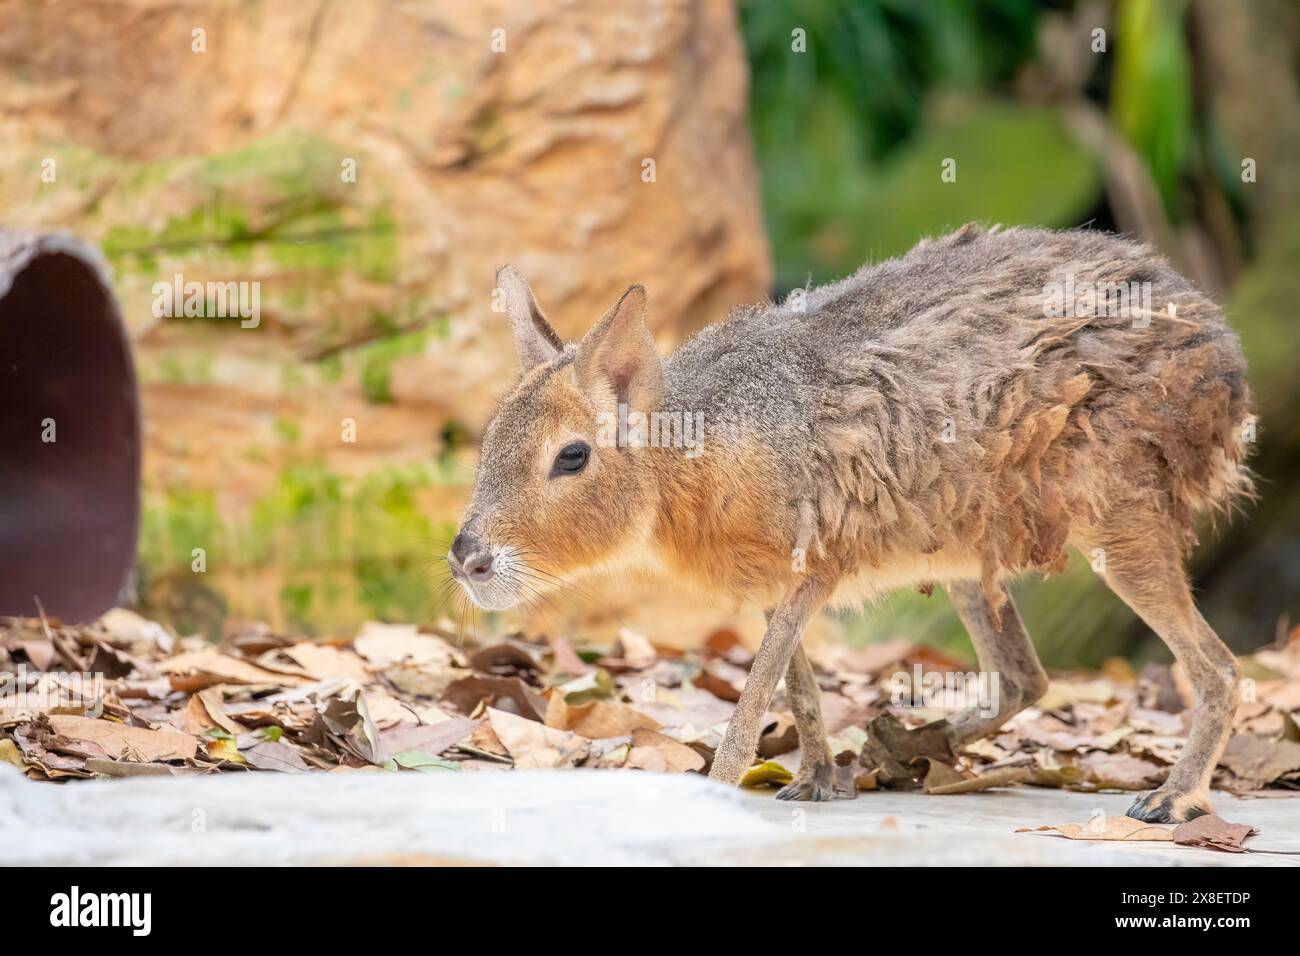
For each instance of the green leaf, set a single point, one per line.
(596, 685)
(766, 774)
(421, 762)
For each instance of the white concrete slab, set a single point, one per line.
(563, 817)
(888, 828)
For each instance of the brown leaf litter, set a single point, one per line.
(401, 698)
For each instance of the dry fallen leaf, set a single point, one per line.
(10, 753)
(566, 659)
(128, 628)
(127, 743)
(1051, 732)
(198, 669)
(507, 659)
(484, 740)
(533, 744)
(726, 643)
(654, 751)
(275, 755)
(611, 752)
(44, 751)
(1214, 833)
(939, 777)
(384, 645)
(900, 755)
(1062, 693)
(386, 710)
(428, 738)
(1260, 760)
(686, 705)
(466, 695)
(716, 685)
(1110, 828)
(999, 777)
(634, 650)
(320, 661)
(779, 737)
(205, 711)
(347, 717)
(224, 748)
(1162, 748)
(601, 718)
(871, 659)
(1121, 771)
(40, 653)
(126, 768)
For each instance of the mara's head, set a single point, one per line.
(557, 490)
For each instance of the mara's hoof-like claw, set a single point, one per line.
(1170, 806)
(815, 788)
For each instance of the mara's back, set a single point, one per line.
(993, 391)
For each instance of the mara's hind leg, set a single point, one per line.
(1143, 565)
(814, 781)
(1005, 651)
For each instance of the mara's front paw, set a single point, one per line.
(815, 786)
(1170, 806)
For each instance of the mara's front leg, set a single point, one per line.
(784, 631)
(815, 779)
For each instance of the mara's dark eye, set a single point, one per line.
(571, 459)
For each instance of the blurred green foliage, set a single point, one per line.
(1152, 100)
(849, 150)
(341, 548)
(855, 104)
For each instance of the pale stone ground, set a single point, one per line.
(567, 817)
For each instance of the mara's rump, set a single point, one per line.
(985, 419)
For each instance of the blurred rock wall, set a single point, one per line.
(369, 165)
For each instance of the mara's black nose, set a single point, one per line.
(463, 546)
(471, 557)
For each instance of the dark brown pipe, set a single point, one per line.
(69, 507)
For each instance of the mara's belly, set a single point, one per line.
(905, 571)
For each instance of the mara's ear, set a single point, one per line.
(535, 340)
(617, 361)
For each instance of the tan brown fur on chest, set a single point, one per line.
(725, 524)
